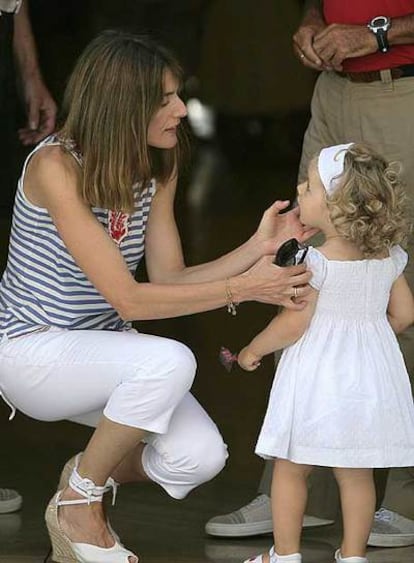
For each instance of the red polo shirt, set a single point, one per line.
(360, 12)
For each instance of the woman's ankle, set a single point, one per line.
(93, 511)
(69, 494)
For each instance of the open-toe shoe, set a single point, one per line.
(66, 551)
(110, 485)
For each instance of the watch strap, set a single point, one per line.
(382, 40)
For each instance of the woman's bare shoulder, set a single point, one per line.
(52, 158)
(51, 169)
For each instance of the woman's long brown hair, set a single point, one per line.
(114, 90)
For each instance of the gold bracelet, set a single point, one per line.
(231, 305)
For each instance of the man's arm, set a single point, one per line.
(338, 42)
(401, 31)
(312, 23)
(316, 5)
(39, 104)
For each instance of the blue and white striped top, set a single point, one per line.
(42, 286)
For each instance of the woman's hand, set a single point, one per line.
(268, 283)
(276, 228)
(247, 360)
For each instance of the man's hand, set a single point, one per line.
(303, 44)
(40, 109)
(313, 23)
(39, 105)
(338, 42)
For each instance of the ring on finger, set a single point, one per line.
(295, 292)
(302, 56)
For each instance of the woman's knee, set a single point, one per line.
(209, 457)
(179, 472)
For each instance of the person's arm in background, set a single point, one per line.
(39, 104)
(312, 24)
(341, 41)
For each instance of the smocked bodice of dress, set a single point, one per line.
(354, 289)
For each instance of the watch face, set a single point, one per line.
(380, 21)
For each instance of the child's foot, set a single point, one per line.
(355, 559)
(259, 559)
(273, 557)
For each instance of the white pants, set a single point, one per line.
(134, 379)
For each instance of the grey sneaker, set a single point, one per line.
(10, 501)
(390, 529)
(251, 520)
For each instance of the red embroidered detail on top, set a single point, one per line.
(117, 225)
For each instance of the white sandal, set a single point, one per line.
(274, 558)
(73, 463)
(66, 551)
(110, 485)
(354, 559)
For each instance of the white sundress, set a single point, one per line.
(341, 396)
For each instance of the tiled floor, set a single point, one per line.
(221, 203)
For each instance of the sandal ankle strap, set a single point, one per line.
(110, 485)
(88, 489)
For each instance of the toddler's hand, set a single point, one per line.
(247, 360)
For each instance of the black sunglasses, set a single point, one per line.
(291, 253)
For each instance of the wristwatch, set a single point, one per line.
(379, 27)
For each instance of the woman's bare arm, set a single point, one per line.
(51, 182)
(164, 257)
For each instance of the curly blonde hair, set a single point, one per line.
(370, 207)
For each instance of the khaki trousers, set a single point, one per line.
(381, 114)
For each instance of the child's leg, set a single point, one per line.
(289, 496)
(357, 492)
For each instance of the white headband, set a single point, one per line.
(331, 165)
